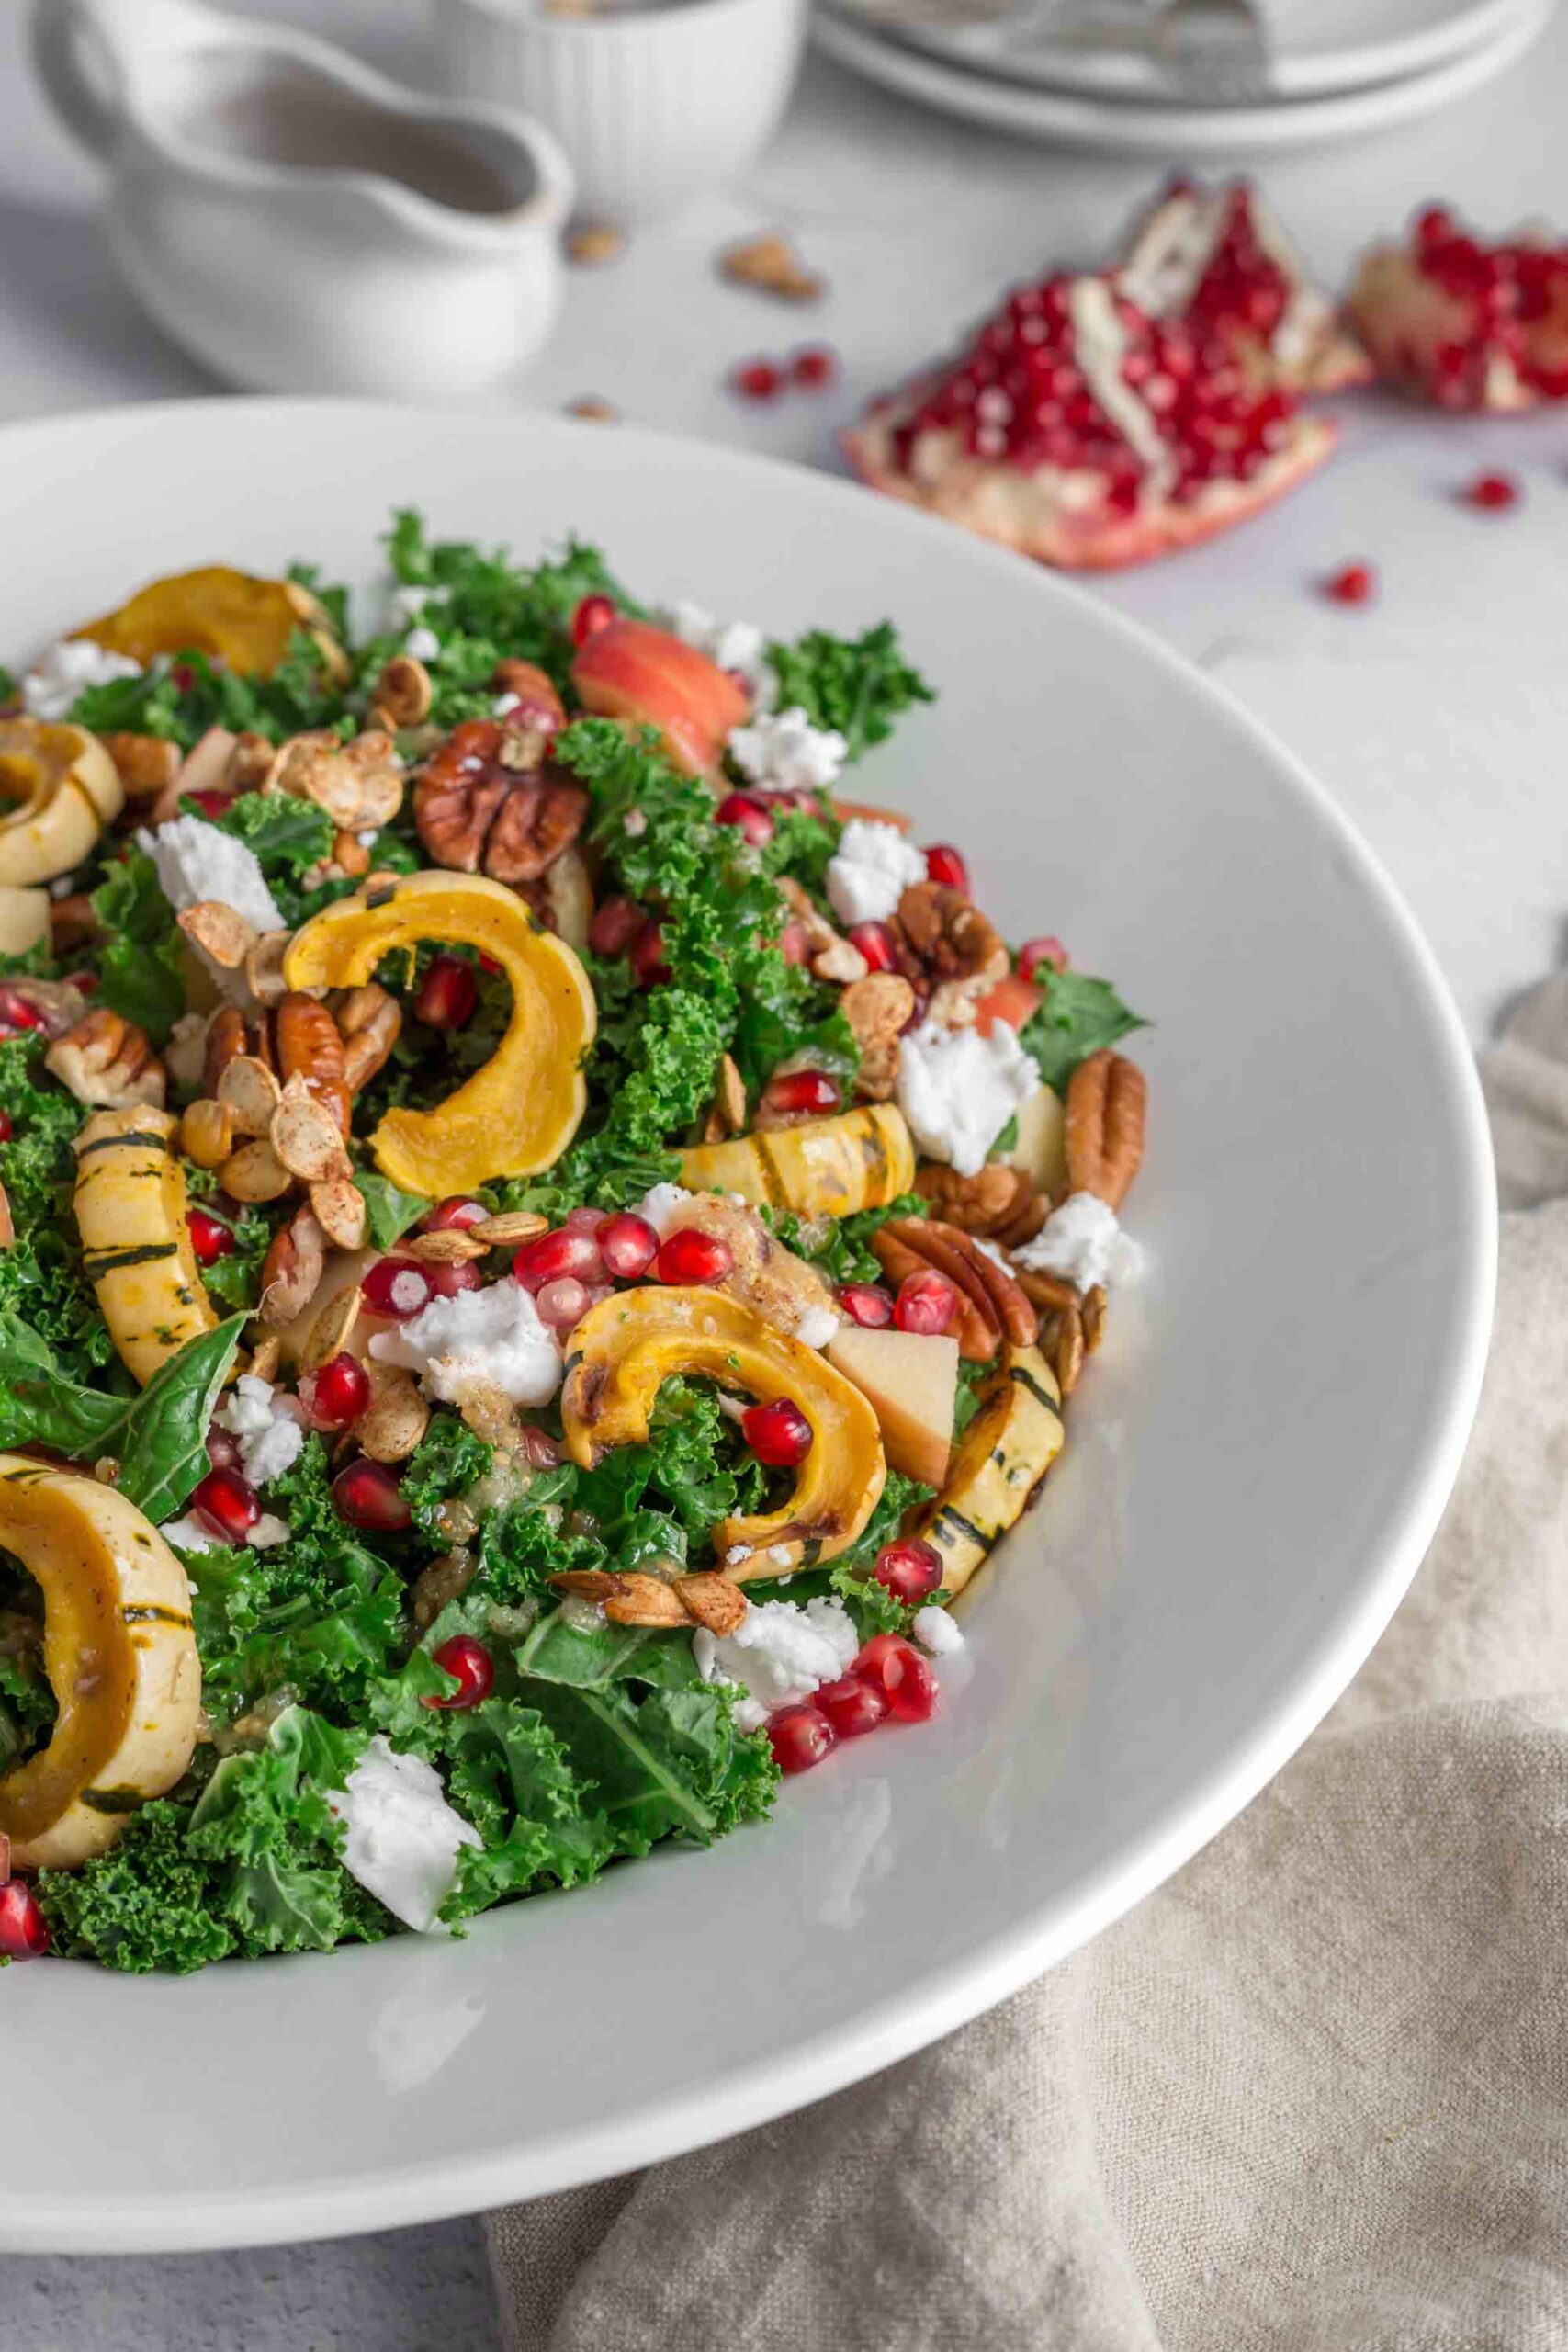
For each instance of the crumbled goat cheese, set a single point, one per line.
(63, 886)
(780, 1652)
(817, 1327)
(423, 644)
(784, 753)
(661, 1206)
(935, 1631)
(405, 605)
(1082, 1242)
(266, 1425)
(958, 1090)
(636, 823)
(55, 680)
(195, 861)
(735, 1553)
(734, 645)
(189, 1534)
(268, 1529)
(870, 871)
(478, 1338)
(403, 1837)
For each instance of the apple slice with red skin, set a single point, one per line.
(645, 676)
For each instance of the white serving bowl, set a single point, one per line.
(654, 105)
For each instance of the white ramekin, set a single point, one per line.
(655, 106)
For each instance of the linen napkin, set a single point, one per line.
(1312, 2095)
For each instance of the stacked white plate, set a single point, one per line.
(1335, 68)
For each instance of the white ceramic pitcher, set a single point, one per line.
(299, 221)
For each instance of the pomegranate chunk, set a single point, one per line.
(866, 1303)
(563, 1305)
(853, 1705)
(1080, 431)
(18, 1011)
(926, 1302)
(778, 1433)
(1467, 325)
(648, 963)
(227, 1503)
(814, 366)
(689, 1255)
(901, 1674)
(947, 866)
(396, 1286)
(447, 994)
(24, 1931)
(474, 1669)
(800, 1737)
(456, 1213)
(628, 1246)
(802, 1094)
(209, 1238)
(336, 1392)
(1493, 492)
(592, 613)
(1356, 584)
(1216, 261)
(911, 1571)
(876, 944)
(367, 1496)
(748, 817)
(614, 925)
(757, 379)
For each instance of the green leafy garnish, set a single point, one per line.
(1077, 1017)
(856, 686)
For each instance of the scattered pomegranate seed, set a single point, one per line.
(1048, 952)
(648, 961)
(86, 981)
(211, 803)
(876, 944)
(1494, 492)
(739, 809)
(778, 1433)
(585, 1220)
(368, 1496)
(946, 864)
(903, 1675)
(447, 994)
(867, 1303)
(543, 1450)
(793, 944)
(803, 1092)
(593, 614)
(24, 1931)
(558, 1257)
(800, 1737)
(6, 1128)
(911, 1570)
(472, 1665)
(757, 379)
(614, 925)
(926, 1302)
(488, 965)
(336, 1392)
(209, 1238)
(446, 1282)
(563, 1305)
(227, 1504)
(182, 677)
(223, 1451)
(853, 1705)
(689, 1255)
(814, 366)
(18, 1011)
(454, 1215)
(628, 1246)
(396, 1286)
(1357, 585)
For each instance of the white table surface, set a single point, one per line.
(1438, 717)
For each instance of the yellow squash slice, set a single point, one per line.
(121, 1656)
(857, 1160)
(227, 614)
(62, 789)
(1003, 1455)
(130, 1213)
(626, 1348)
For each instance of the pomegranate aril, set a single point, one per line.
(1356, 584)
(544, 1451)
(592, 613)
(336, 1392)
(778, 1433)
(689, 1255)
(748, 816)
(800, 1737)
(853, 1705)
(911, 1570)
(945, 864)
(227, 1504)
(757, 379)
(647, 964)
(814, 366)
(926, 1302)
(448, 994)
(585, 1220)
(24, 1931)
(18, 1011)
(901, 1674)
(876, 944)
(803, 1092)
(396, 1286)
(614, 925)
(5, 1129)
(628, 1246)
(456, 1213)
(209, 1238)
(1036, 955)
(367, 1496)
(223, 1449)
(1493, 492)
(446, 1282)
(563, 1305)
(866, 1304)
(558, 1257)
(212, 804)
(473, 1667)
(793, 944)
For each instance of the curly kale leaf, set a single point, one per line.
(856, 686)
(41, 1281)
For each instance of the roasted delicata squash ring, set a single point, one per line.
(857, 1160)
(231, 615)
(625, 1349)
(129, 1202)
(516, 1115)
(1014, 1439)
(121, 1656)
(62, 789)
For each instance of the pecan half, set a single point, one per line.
(991, 1289)
(986, 1202)
(976, 1329)
(475, 809)
(307, 1043)
(144, 764)
(877, 1009)
(369, 1020)
(1106, 1107)
(535, 699)
(359, 785)
(106, 1060)
(956, 950)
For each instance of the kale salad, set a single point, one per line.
(542, 1242)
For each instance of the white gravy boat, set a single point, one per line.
(299, 222)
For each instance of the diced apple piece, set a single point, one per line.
(1041, 1150)
(633, 672)
(23, 918)
(910, 1380)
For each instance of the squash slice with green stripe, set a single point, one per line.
(1015, 1436)
(130, 1213)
